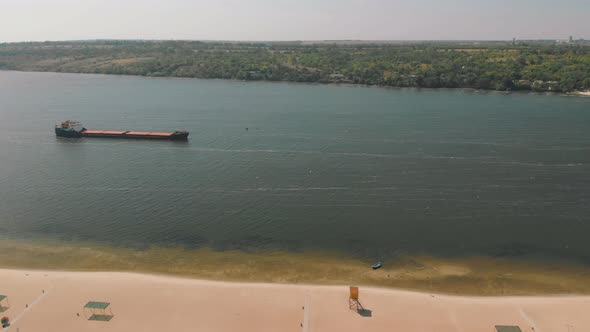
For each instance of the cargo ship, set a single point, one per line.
(75, 129)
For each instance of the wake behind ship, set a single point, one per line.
(75, 129)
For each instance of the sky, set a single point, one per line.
(39, 20)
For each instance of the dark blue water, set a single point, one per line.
(363, 171)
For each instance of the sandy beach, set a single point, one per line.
(583, 93)
(51, 301)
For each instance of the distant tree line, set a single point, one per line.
(494, 66)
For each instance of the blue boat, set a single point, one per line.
(376, 265)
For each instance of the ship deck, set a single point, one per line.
(133, 134)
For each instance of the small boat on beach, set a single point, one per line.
(376, 265)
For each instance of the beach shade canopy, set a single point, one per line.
(3, 303)
(100, 311)
(504, 328)
(97, 305)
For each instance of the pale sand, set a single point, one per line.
(160, 303)
(580, 93)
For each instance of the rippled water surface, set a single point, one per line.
(365, 171)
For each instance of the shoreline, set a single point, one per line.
(524, 92)
(582, 93)
(476, 276)
(53, 301)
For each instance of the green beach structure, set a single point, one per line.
(99, 311)
(4, 303)
(506, 328)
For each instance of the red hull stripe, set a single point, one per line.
(130, 133)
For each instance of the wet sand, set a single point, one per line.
(160, 303)
(465, 276)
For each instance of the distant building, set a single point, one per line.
(539, 85)
(571, 41)
(552, 85)
(338, 78)
(513, 41)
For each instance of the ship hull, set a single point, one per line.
(173, 137)
(168, 136)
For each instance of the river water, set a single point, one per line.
(367, 172)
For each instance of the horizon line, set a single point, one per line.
(289, 40)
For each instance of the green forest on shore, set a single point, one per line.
(503, 66)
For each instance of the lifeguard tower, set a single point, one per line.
(353, 299)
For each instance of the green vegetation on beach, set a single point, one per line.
(471, 275)
(537, 66)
